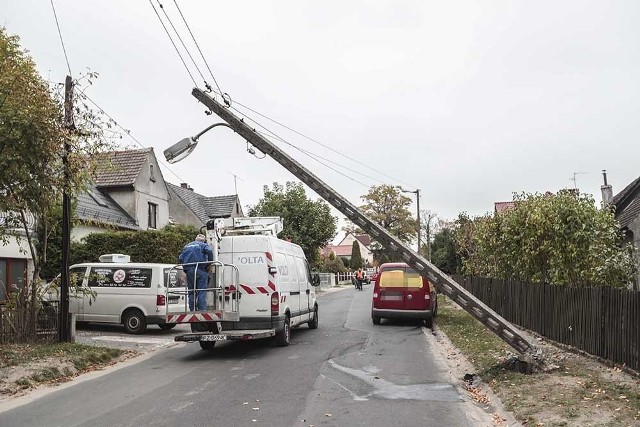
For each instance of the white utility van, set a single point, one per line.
(275, 284)
(269, 277)
(116, 290)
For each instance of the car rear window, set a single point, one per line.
(175, 277)
(399, 277)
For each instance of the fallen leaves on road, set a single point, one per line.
(477, 394)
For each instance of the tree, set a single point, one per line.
(443, 252)
(306, 222)
(356, 256)
(562, 239)
(429, 227)
(33, 136)
(387, 206)
(332, 264)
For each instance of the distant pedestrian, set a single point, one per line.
(359, 278)
(194, 257)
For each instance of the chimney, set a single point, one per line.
(184, 185)
(607, 191)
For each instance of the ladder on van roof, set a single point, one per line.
(444, 283)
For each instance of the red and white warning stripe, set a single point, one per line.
(211, 316)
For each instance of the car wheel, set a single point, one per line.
(134, 321)
(313, 323)
(435, 307)
(167, 326)
(429, 322)
(207, 345)
(376, 320)
(283, 338)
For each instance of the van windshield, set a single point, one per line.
(400, 277)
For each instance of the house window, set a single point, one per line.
(12, 272)
(153, 215)
(152, 176)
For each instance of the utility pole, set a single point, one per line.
(417, 193)
(64, 327)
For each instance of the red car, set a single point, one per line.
(400, 292)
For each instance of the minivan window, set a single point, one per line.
(120, 277)
(399, 277)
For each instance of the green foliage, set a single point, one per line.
(345, 261)
(443, 252)
(562, 239)
(356, 256)
(332, 264)
(386, 205)
(307, 223)
(161, 246)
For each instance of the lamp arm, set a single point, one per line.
(207, 129)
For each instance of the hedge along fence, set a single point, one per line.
(158, 246)
(601, 321)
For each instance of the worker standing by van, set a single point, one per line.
(195, 255)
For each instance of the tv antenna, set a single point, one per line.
(235, 180)
(575, 185)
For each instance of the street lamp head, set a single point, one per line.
(180, 150)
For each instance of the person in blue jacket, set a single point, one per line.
(195, 252)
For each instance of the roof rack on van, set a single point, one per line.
(269, 225)
(115, 258)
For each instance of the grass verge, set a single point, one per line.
(577, 391)
(25, 366)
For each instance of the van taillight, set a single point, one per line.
(160, 300)
(427, 296)
(275, 303)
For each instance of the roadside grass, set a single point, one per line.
(574, 390)
(24, 366)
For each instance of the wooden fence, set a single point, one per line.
(602, 321)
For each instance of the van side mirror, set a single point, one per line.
(316, 280)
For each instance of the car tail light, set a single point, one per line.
(161, 300)
(375, 295)
(275, 303)
(427, 296)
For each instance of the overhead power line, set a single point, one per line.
(128, 132)
(198, 46)
(64, 49)
(173, 43)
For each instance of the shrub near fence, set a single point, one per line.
(16, 327)
(602, 321)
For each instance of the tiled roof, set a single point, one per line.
(627, 203)
(205, 207)
(94, 205)
(503, 206)
(120, 168)
(365, 239)
(340, 250)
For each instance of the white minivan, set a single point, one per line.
(129, 293)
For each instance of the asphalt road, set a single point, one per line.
(348, 372)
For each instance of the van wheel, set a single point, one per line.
(283, 338)
(167, 326)
(376, 320)
(313, 323)
(207, 345)
(134, 321)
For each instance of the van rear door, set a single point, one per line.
(255, 282)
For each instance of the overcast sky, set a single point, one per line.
(468, 101)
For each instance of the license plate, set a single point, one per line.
(216, 337)
(174, 300)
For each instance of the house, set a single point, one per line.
(190, 208)
(499, 207)
(627, 212)
(344, 248)
(16, 264)
(129, 193)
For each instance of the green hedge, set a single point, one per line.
(161, 246)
